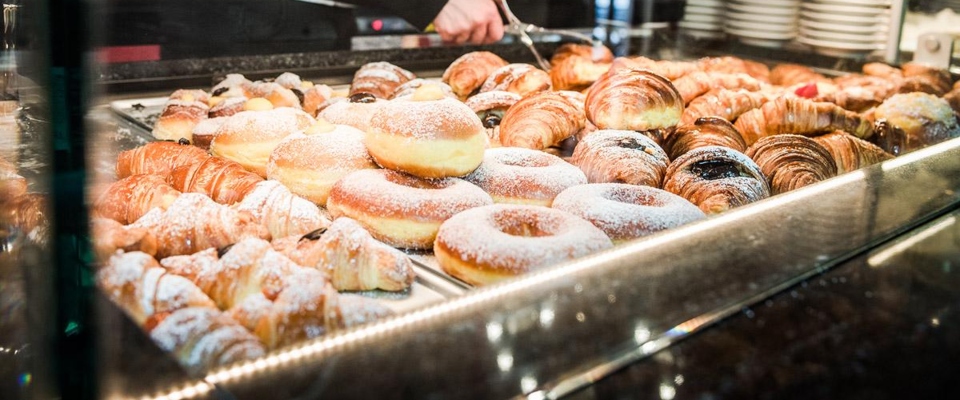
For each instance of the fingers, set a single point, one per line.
(479, 35)
(494, 31)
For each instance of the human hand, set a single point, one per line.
(469, 21)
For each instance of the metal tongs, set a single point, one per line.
(523, 30)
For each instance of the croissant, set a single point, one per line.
(351, 257)
(202, 338)
(540, 120)
(716, 179)
(795, 74)
(157, 158)
(633, 100)
(734, 65)
(799, 116)
(193, 222)
(882, 70)
(144, 290)
(182, 111)
(850, 153)
(665, 68)
(576, 73)
(108, 236)
(225, 181)
(595, 53)
(924, 119)
(792, 161)
(314, 96)
(379, 79)
(27, 213)
(128, 199)
(953, 98)
(695, 84)
(705, 131)
(724, 103)
(918, 77)
(522, 79)
(621, 157)
(11, 183)
(280, 211)
(467, 73)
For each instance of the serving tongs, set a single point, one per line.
(523, 30)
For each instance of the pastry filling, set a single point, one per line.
(716, 169)
(491, 121)
(631, 143)
(363, 97)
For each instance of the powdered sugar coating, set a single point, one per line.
(339, 150)
(625, 211)
(515, 239)
(715, 193)
(445, 118)
(259, 126)
(408, 88)
(177, 329)
(493, 99)
(288, 80)
(280, 211)
(342, 111)
(379, 79)
(514, 174)
(621, 156)
(228, 106)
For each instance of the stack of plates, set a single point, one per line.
(766, 23)
(703, 19)
(845, 28)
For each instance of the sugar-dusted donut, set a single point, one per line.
(399, 209)
(620, 156)
(624, 211)
(310, 164)
(250, 136)
(484, 245)
(428, 136)
(524, 176)
(355, 110)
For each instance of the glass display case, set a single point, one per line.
(781, 297)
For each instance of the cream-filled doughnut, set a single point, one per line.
(310, 164)
(430, 136)
(626, 212)
(355, 110)
(523, 176)
(250, 136)
(484, 245)
(399, 209)
(621, 156)
(204, 130)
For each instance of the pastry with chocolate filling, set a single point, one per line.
(705, 131)
(621, 157)
(491, 107)
(716, 179)
(925, 119)
(521, 79)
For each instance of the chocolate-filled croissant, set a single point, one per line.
(540, 120)
(705, 131)
(622, 157)
(787, 115)
(851, 153)
(716, 179)
(792, 161)
(634, 100)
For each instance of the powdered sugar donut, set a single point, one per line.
(625, 211)
(487, 244)
(355, 110)
(524, 176)
(250, 136)
(399, 209)
(621, 157)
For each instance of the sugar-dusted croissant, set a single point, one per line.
(633, 100)
(716, 179)
(193, 222)
(522, 79)
(280, 211)
(128, 199)
(799, 116)
(144, 290)
(576, 72)
(724, 103)
(695, 84)
(248, 267)
(202, 338)
(108, 236)
(351, 257)
(851, 153)
(705, 131)
(182, 111)
(787, 74)
(540, 120)
(620, 156)
(467, 73)
(157, 158)
(225, 181)
(11, 183)
(792, 161)
(665, 68)
(379, 79)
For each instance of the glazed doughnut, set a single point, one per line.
(490, 108)
(626, 212)
(468, 72)
(716, 179)
(354, 111)
(488, 244)
(621, 157)
(523, 176)
(521, 79)
(431, 137)
(250, 136)
(399, 209)
(204, 131)
(310, 165)
(379, 79)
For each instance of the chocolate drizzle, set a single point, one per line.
(362, 97)
(712, 170)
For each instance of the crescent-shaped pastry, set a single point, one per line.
(634, 100)
(792, 161)
(716, 179)
(705, 131)
(540, 120)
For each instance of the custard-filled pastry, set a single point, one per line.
(128, 199)
(716, 179)
(724, 103)
(705, 131)
(598, 54)
(634, 100)
(467, 73)
(576, 72)
(490, 108)
(924, 119)
(800, 116)
(793, 74)
(792, 161)
(224, 181)
(354, 111)
(204, 131)
(621, 157)
(540, 120)
(250, 136)
(407, 89)
(379, 79)
(695, 84)
(521, 79)
(851, 153)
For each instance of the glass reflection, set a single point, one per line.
(546, 317)
(528, 384)
(494, 331)
(505, 361)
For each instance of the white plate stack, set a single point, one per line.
(702, 19)
(765, 23)
(845, 28)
